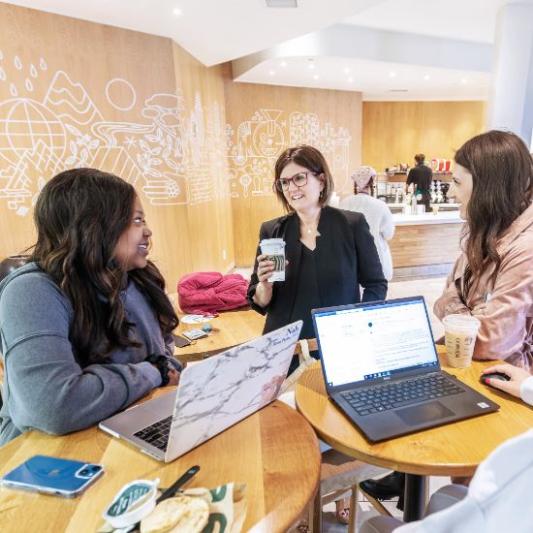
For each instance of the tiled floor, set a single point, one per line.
(431, 289)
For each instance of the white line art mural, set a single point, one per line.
(118, 86)
(256, 144)
(172, 154)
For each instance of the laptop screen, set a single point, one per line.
(374, 340)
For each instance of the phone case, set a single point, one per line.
(193, 334)
(53, 475)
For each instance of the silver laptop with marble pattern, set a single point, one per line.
(212, 395)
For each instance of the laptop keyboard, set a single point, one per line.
(156, 434)
(387, 396)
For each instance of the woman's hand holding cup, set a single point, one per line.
(265, 268)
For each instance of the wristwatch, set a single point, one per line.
(161, 363)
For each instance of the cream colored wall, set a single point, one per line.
(74, 93)
(266, 119)
(394, 131)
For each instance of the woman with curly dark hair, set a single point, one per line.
(85, 325)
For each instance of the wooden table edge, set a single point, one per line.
(439, 469)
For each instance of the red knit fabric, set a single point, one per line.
(206, 292)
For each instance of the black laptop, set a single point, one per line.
(381, 368)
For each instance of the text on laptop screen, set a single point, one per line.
(374, 341)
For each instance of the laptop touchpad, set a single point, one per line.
(420, 414)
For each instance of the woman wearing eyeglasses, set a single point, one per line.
(330, 252)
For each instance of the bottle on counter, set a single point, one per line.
(414, 204)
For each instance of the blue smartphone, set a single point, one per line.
(53, 475)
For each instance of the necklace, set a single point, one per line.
(311, 229)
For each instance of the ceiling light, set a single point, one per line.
(272, 72)
(283, 64)
(315, 77)
(177, 12)
(346, 70)
(311, 64)
(392, 74)
(281, 3)
(464, 81)
(426, 77)
(350, 80)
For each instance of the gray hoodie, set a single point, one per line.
(44, 386)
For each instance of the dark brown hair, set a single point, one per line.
(80, 215)
(502, 189)
(313, 160)
(420, 158)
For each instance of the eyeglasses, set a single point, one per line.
(300, 179)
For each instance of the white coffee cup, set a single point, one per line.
(275, 249)
(460, 334)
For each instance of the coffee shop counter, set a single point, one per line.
(426, 240)
(445, 217)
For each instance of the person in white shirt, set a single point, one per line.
(498, 498)
(376, 212)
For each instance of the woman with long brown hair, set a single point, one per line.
(85, 325)
(493, 278)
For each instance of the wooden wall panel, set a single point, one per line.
(75, 93)
(266, 119)
(209, 215)
(394, 131)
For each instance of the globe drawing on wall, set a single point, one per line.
(24, 124)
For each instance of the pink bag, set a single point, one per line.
(208, 292)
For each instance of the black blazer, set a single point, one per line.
(346, 257)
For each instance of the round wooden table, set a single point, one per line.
(454, 449)
(229, 329)
(274, 451)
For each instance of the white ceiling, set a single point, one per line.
(259, 38)
(468, 20)
(376, 80)
(213, 31)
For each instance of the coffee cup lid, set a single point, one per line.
(461, 321)
(272, 241)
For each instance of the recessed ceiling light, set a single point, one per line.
(177, 12)
(350, 80)
(426, 77)
(346, 70)
(272, 72)
(311, 66)
(316, 76)
(464, 81)
(392, 74)
(283, 64)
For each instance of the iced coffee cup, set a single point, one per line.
(460, 334)
(275, 250)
